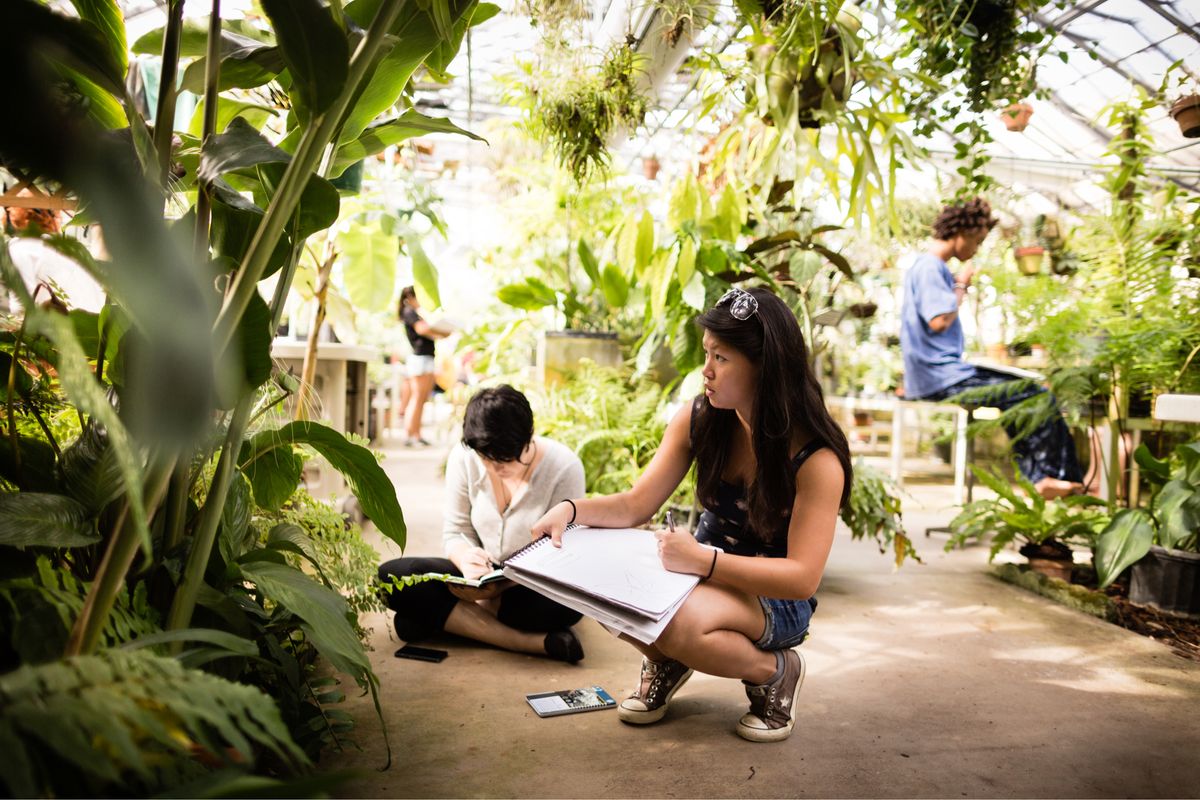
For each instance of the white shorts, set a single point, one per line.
(420, 365)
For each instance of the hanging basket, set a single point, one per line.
(1186, 112)
(1029, 259)
(1016, 117)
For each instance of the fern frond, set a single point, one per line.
(126, 722)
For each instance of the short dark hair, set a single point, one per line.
(959, 218)
(498, 423)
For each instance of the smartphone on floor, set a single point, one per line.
(421, 653)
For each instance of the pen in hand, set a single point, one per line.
(670, 520)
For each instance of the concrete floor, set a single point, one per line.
(933, 681)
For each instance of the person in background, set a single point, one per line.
(421, 365)
(498, 481)
(772, 471)
(931, 338)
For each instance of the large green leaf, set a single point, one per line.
(238, 147)
(587, 259)
(255, 335)
(228, 109)
(645, 242)
(273, 470)
(1156, 469)
(232, 643)
(314, 49)
(324, 613)
(368, 266)
(107, 17)
(235, 518)
(28, 463)
(529, 295)
(1124, 542)
(384, 134)
(235, 221)
(30, 519)
(193, 40)
(75, 43)
(439, 60)
(425, 276)
(90, 470)
(1177, 507)
(245, 64)
(358, 466)
(615, 286)
(417, 36)
(319, 202)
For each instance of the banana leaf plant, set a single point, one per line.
(135, 440)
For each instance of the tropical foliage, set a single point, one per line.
(150, 494)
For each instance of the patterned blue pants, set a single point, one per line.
(1049, 451)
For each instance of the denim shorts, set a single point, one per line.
(787, 622)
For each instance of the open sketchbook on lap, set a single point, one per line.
(613, 575)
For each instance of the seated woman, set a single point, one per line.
(498, 482)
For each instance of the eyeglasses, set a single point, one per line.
(742, 304)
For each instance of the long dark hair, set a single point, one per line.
(788, 397)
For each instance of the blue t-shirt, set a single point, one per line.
(932, 361)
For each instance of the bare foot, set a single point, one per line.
(1052, 488)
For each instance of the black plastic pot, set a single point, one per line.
(1168, 580)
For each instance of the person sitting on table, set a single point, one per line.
(498, 481)
(931, 339)
(772, 471)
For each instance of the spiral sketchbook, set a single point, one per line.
(613, 575)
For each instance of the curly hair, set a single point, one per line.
(962, 217)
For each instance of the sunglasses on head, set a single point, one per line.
(742, 304)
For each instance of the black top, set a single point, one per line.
(725, 523)
(421, 345)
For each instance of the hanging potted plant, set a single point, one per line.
(1029, 259)
(1016, 117)
(1186, 112)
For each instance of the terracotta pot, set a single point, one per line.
(1029, 259)
(1016, 117)
(650, 167)
(1052, 567)
(1186, 112)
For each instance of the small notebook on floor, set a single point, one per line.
(570, 701)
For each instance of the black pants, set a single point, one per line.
(1049, 451)
(422, 609)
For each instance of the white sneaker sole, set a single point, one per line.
(748, 726)
(638, 716)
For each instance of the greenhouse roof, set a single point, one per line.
(1105, 50)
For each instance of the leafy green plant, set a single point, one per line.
(170, 381)
(873, 512)
(612, 422)
(580, 117)
(1011, 516)
(129, 721)
(1172, 519)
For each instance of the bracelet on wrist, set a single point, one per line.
(963, 286)
(711, 566)
(574, 511)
